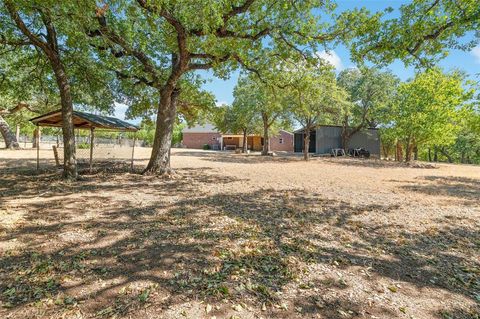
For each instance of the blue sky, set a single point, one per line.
(340, 58)
(466, 61)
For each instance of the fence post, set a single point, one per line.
(38, 147)
(55, 154)
(133, 149)
(91, 147)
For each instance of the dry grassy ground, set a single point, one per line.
(240, 237)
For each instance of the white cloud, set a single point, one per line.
(332, 58)
(220, 103)
(476, 53)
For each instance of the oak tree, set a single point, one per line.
(44, 28)
(158, 43)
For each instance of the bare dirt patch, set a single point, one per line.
(237, 236)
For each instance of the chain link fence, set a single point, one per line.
(107, 152)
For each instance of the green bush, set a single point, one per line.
(206, 147)
(83, 146)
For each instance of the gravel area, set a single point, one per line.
(240, 236)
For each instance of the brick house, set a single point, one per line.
(198, 136)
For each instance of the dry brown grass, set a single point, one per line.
(238, 236)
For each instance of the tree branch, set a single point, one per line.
(16, 108)
(115, 53)
(140, 79)
(13, 42)
(34, 39)
(291, 45)
(438, 32)
(236, 10)
(223, 32)
(181, 32)
(51, 32)
(208, 65)
(111, 35)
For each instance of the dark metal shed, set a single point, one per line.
(299, 136)
(327, 137)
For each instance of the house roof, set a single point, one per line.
(206, 128)
(85, 121)
(285, 131)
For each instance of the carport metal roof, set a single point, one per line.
(84, 120)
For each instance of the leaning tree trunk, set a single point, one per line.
(8, 136)
(244, 145)
(306, 142)
(160, 158)
(266, 138)
(68, 132)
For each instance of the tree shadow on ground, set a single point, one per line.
(461, 188)
(112, 256)
(231, 157)
(28, 183)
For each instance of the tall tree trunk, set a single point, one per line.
(396, 151)
(266, 138)
(387, 149)
(306, 142)
(167, 111)
(48, 43)
(429, 154)
(408, 150)
(415, 152)
(399, 152)
(68, 132)
(344, 131)
(435, 154)
(159, 162)
(244, 145)
(11, 141)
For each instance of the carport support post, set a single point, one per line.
(133, 149)
(37, 137)
(91, 147)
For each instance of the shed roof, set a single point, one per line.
(300, 130)
(85, 121)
